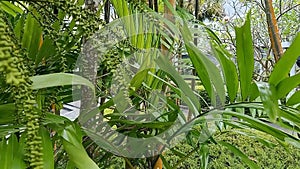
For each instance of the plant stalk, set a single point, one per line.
(273, 30)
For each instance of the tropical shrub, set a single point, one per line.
(268, 154)
(35, 59)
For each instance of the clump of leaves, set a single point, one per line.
(254, 144)
(267, 154)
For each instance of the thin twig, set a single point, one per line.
(286, 11)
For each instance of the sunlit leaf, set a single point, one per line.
(268, 97)
(284, 65)
(286, 85)
(257, 124)
(207, 71)
(229, 71)
(294, 99)
(245, 57)
(72, 142)
(10, 8)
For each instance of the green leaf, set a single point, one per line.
(165, 162)
(254, 92)
(294, 99)
(6, 153)
(213, 35)
(286, 85)
(54, 119)
(141, 36)
(257, 124)
(291, 116)
(284, 65)
(32, 36)
(293, 142)
(186, 92)
(207, 71)
(10, 8)
(9, 129)
(240, 154)
(7, 113)
(71, 139)
(245, 57)
(19, 152)
(204, 151)
(19, 27)
(267, 95)
(47, 150)
(59, 79)
(47, 49)
(12, 153)
(229, 71)
(178, 153)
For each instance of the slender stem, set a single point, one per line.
(286, 11)
(128, 163)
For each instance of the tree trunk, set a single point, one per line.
(107, 11)
(155, 5)
(197, 9)
(273, 30)
(168, 15)
(89, 70)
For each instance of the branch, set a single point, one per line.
(273, 30)
(286, 11)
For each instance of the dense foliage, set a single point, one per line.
(56, 52)
(267, 155)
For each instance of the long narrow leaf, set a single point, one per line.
(6, 154)
(240, 154)
(294, 99)
(245, 56)
(284, 65)
(19, 152)
(268, 97)
(10, 8)
(32, 36)
(72, 143)
(286, 85)
(192, 101)
(59, 79)
(258, 125)
(47, 150)
(207, 71)
(229, 71)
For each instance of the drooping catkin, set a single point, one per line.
(17, 76)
